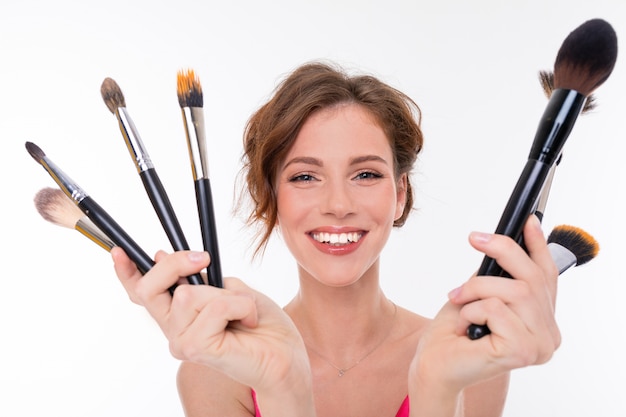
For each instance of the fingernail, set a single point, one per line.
(197, 256)
(535, 222)
(454, 293)
(481, 237)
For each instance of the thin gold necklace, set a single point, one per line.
(342, 370)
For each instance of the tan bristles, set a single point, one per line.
(112, 95)
(188, 89)
(55, 207)
(546, 79)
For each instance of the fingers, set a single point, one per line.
(199, 316)
(125, 269)
(152, 289)
(522, 308)
(217, 306)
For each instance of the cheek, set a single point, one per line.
(374, 205)
(291, 206)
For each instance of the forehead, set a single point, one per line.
(346, 125)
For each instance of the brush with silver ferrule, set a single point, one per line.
(584, 62)
(191, 102)
(54, 206)
(571, 246)
(92, 209)
(115, 102)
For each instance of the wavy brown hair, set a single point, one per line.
(273, 128)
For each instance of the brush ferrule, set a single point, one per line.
(563, 257)
(87, 228)
(133, 140)
(66, 184)
(556, 124)
(542, 201)
(193, 121)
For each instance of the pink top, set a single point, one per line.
(402, 412)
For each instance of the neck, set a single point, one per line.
(341, 323)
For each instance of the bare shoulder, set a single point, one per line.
(208, 393)
(410, 324)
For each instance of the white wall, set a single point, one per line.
(74, 345)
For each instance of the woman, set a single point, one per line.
(327, 164)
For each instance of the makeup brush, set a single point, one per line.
(571, 246)
(55, 207)
(190, 98)
(92, 209)
(546, 78)
(584, 61)
(115, 102)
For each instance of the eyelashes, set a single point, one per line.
(363, 175)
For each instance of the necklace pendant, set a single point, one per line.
(342, 372)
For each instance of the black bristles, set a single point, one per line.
(586, 57)
(189, 89)
(112, 95)
(35, 151)
(576, 240)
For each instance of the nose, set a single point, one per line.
(337, 199)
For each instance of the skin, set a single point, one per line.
(339, 177)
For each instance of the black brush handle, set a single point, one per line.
(165, 212)
(554, 128)
(520, 205)
(204, 198)
(115, 232)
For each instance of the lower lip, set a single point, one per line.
(337, 250)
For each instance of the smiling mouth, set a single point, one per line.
(337, 239)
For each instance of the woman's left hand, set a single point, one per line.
(519, 312)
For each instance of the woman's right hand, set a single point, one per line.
(235, 330)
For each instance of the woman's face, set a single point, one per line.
(338, 196)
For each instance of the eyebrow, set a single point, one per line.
(314, 161)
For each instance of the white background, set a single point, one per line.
(74, 345)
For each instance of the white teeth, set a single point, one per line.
(337, 239)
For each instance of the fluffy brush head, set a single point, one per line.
(35, 151)
(586, 57)
(189, 89)
(112, 94)
(546, 78)
(576, 240)
(55, 207)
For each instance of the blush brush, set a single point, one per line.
(191, 102)
(92, 209)
(116, 103)
(57, 208)
(584, 61)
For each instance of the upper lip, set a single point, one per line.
(336, 229)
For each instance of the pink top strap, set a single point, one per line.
(402, 412)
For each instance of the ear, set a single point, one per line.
(401, 187)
